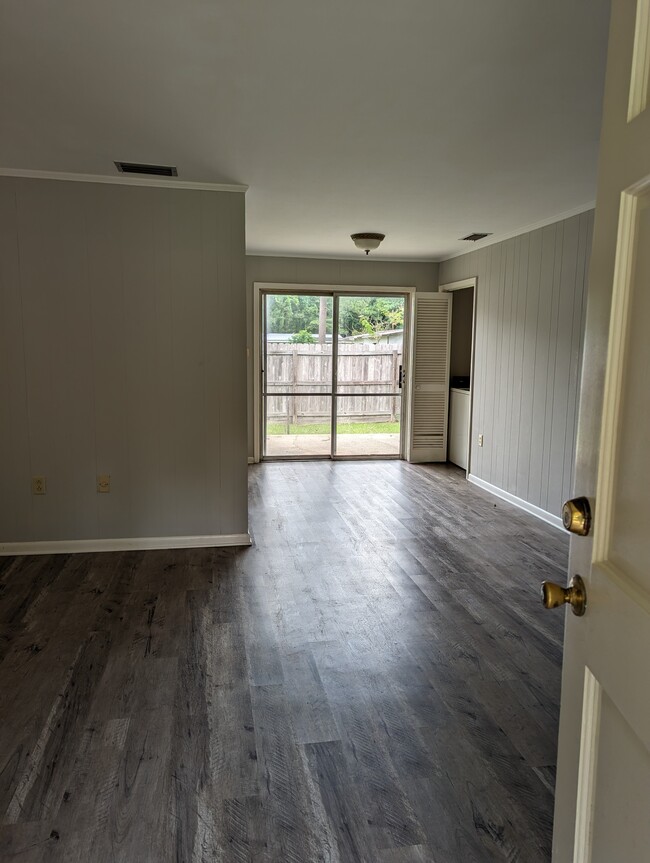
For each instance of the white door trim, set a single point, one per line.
(357, 290)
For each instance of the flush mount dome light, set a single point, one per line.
(366, 241)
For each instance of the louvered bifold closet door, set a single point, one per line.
(430, 378)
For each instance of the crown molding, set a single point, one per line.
(351, 257)
(122, 180)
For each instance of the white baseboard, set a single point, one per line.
(251, 460)
(537, 511)
(136, 543)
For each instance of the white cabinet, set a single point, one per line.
(459, 427)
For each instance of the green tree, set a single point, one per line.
(370, 315)
(290, 314)
(294, 314)
(303, 338)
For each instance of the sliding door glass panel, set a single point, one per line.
(369, 375)
(297, 382)
(298, 426)
(368, 425)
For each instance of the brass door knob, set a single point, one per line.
(576, 516)
(553, 595)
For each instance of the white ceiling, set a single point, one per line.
(424, 119)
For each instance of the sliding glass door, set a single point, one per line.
(297, 375)
(368, 375)
(332, 369)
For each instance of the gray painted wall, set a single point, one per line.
(325, 271)
(530, 326)
(122, 339)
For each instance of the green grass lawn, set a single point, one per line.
(342, 428)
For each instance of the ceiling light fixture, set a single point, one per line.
(367, 242)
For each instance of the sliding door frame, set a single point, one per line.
(335, 374)
(260, 290)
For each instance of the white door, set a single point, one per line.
(430, 353)
(602, 812)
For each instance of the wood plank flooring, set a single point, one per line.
(374, 680)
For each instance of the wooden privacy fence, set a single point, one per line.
(363, 369)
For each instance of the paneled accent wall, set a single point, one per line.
(423, 276)
(122, 352)
(530, 323)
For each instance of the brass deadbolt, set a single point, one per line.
(554, 595)
(576, 516)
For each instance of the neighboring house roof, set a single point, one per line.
(378, 335)
(287, 337)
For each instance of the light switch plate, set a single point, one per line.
(104, 483)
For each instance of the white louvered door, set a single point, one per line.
(431, 329)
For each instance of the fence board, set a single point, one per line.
(363, 369)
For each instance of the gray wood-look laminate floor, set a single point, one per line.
(375, 680)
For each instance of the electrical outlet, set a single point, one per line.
(39, 486)
(103, 483)
(480, 440)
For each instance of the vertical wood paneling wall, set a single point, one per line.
(421, 275)
(122, 351)
(530, 323)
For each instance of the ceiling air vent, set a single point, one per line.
(149, 170)
(472, 238)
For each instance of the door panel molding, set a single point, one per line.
(640, 77)
(591, 710)
(616, 359)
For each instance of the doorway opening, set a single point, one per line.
(461, 367)
(332, 374)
